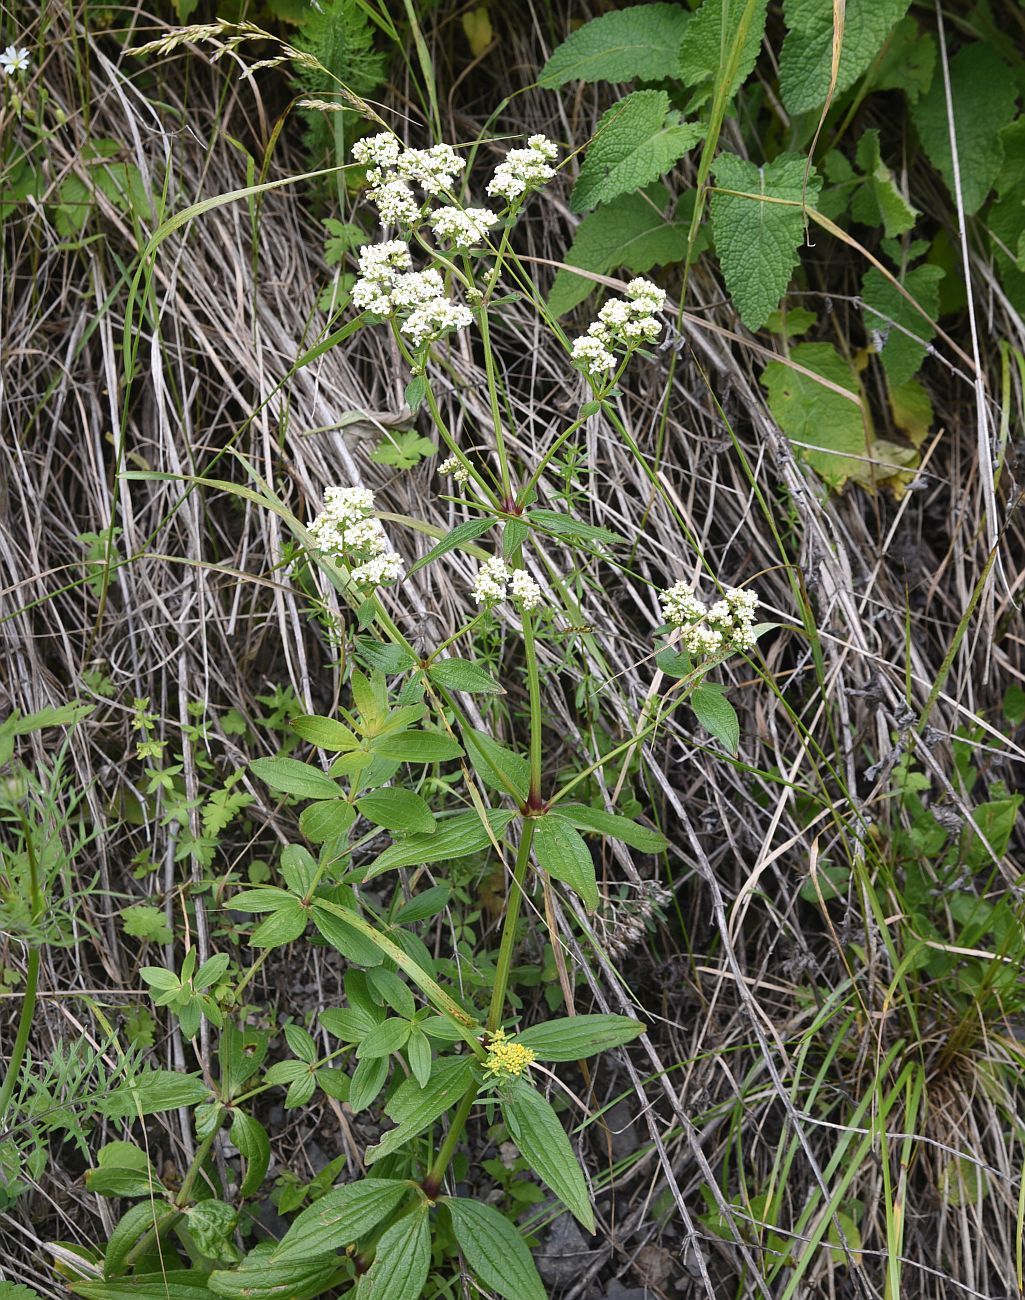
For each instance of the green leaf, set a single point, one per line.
(642, 838)
(267, 898)
(806, 59)
(416, 747)
(414, 1108)
(499, 768)
(402, 1261)
(172, 1284)
(367, 1081)
(462, 675)
(397, 809)
(887, 310)
(641, 41)
(210, 1224)
(152, 1092)
(494, 1249)
(457, 538)
(340, 1217)
(385, 658)
(249, 1135)
(428, 903)
(418, 1053)
(350, 1024)
(983, 93)
(573, 530)
(574, 1038)
(456, 837)
(637, 141)
(561, 851)
(144, 922)
(347, 940)
(907, 62)
(757, 241)
(292, 777)
(710, 37)
(132, 1225)
(281, 927)
(810, 413)
(123, 1169)
(257, 1278)
(717, 715)
(536, 1130)
(389, 1036)
(326, 733)
(405, 448)
(327, 819)
(878, 201)
(631, 232)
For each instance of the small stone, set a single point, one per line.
(563, 1256)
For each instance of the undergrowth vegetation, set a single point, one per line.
(513, 693)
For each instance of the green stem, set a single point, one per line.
(28, 1008)
(534, 686)
(496, 418)
(512, 913)
(436, 1174)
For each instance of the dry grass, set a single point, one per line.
(748, 987)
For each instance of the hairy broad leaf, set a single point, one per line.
(397, 809)
(462, 675)
(259, 1278)
(494, 1249)
(888, 313)
(340, 1217)
(806, 60)
(716, 714)
(639, 837)
(456, 837)
(639, 41)
(536, 1130)
(757, 238)
(983, 93)
(574, 1038)
(561, 851)
(906, 62)
(711, 36)
(629, 232)
(637, 141)
(292, 777)
(414, 1107)
(402, 1261)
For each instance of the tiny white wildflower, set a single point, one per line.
(396, 203)
(432, 169)
(462, 227)
(416, 288)
(646, 295)
(378, 571)
(380, 266)
(436, 317)
(491, 584)
(524, 589)
(524, 169)
(680, 605)
(700, 639)
(381, 151)
(452, 465)
(345, 528)
(592, 355)
(15, 59)
(724, 626)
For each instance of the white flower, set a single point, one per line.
(700, 639)
(376, 572)
(524, 589)
(592, 355)
(415, 288)
(346, 529)
(462, 227)
(381, 151)
(396, 203)
(680, 605)
(14, 59)
(492, 582)
(524, 169)
(432, 169)
(647, 296)
(349, 503)
(381, 266)
(452, 465)
(724, 626)
(436, 317)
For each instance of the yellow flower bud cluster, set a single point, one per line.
(506, 1059)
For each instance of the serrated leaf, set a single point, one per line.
(458, 537)
(414, 1108)
(717, 715)
(642, 838)
(757, 239)
(640, 41)
(890, 313)
(907, 62)
(463, 675)
(416, 747)
(494, 1249)
(561, 851)
(810, 413)
(402, 1261)
(456, 837)
(292, 777)
(806, 59)
(636, 141)
(537, 1131)
(340, 1217)
(983, 93)
(397, 809)
(709, 39)
(257, 1278)
(629, 232)
(574, 1038)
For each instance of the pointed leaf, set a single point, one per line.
(292, 777)
(642, 838)
(536, 1130)
(401, 1262)
(340, 1217)
(561, 851)
(574, 1038)
(456, 837)
(495, 1250)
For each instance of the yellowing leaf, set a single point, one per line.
(478, 30)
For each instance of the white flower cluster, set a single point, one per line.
(387, 287)
(725, 626)
(392, 171)
(14, 59)
(462, 227)
(345, 528)
(496, 582)
(622, 325)
(524, 169)
(452, 465)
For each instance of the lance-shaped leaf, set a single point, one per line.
(561, 851)
(536, 1130)
(574, 1038)
(494, 1249)
(340, 1217)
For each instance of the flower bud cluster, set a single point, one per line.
(462, 227)
(393, 171)
(452, 465)
(524, 170)
(725, 626)
(496, 582)
(347, 530)
(622, 325)
(387, 287)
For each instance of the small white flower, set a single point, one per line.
(524, 589)
(432, 169)
(345, 528)
(524, 169)
(491, 584)
(381, 151)
(724, 626)
(646, 295)
(378, 571)
(14, 59)
(462, 227)
(396, 203)
(452, 465)
(680, 605)
(700, 639)
(415, 288)
(381, 266)
(435, 318)
(592, 355)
